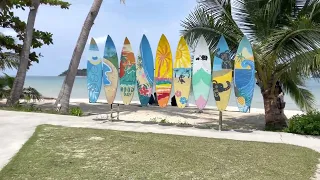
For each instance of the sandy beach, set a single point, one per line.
(232, 118)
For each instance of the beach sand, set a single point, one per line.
(232, 118)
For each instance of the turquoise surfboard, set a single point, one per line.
(144, 71)
(94, 72)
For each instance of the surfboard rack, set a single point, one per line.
(220, 120)
(117, 111)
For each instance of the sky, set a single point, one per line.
(132, 20)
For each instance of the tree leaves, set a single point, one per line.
(8, 20)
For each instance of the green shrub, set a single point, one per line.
(307, 124)
(76, 111)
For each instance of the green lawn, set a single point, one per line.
(55, 152)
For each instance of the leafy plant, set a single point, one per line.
(184, 123)
(307, 124)
(164, 121)
(28, 94)
(76, 111)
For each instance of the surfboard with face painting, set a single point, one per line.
(94, 72)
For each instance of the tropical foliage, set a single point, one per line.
(285, 35)
(11, 22)
(307, 124)
(28, 94)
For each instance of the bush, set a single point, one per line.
(76, 111)
(307, 124)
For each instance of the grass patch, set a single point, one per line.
(55, 152)
(31, 107)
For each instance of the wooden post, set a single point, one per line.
(111, 113)
(220, 120)
(118, 112)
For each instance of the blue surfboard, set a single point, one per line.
(145, 71)
(244, 75)
(94, 72)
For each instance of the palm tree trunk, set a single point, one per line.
(274, 111)
(24, 56)
(65, 92)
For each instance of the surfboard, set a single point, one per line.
(144, 71)
(182, 73)
(110, 70)
(222, 75)
(127, 72)
(94, 72)
(244, 75)
(201, 70)
(163, 71)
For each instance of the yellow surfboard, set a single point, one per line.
(163, 72)
(182, 74)
(222, 75)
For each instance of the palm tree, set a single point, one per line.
(17, 88)
(285, 35)
(66, 89)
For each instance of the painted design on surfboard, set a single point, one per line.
(144, 71)
(127, 73)
(222, 75)
(244, 75)
(163, 71)
(94, 72)
(201, 69)
(110, 70)
(182, 74)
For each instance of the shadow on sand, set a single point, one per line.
(241, 122)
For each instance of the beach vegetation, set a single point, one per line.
(66, 89)
(13, 53)
(306, 124)
(56, 152)
(285, 37)
(28, 93)
(76, 111)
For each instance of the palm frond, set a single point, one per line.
(200, 23)
(294, 85)
(240, 14)
(9, 60)
(311, 9)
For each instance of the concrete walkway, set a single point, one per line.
(17, 127)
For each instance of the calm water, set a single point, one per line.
(49, 86)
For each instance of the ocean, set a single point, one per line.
(49, 86)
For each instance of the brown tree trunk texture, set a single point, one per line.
(274, 111)
(66, 89)
(24, 56)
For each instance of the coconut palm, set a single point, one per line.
(285, 35)
(66, 89)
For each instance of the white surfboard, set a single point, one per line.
(201, 71)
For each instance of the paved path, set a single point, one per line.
(17, 127)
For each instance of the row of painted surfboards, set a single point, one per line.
(140, 71)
